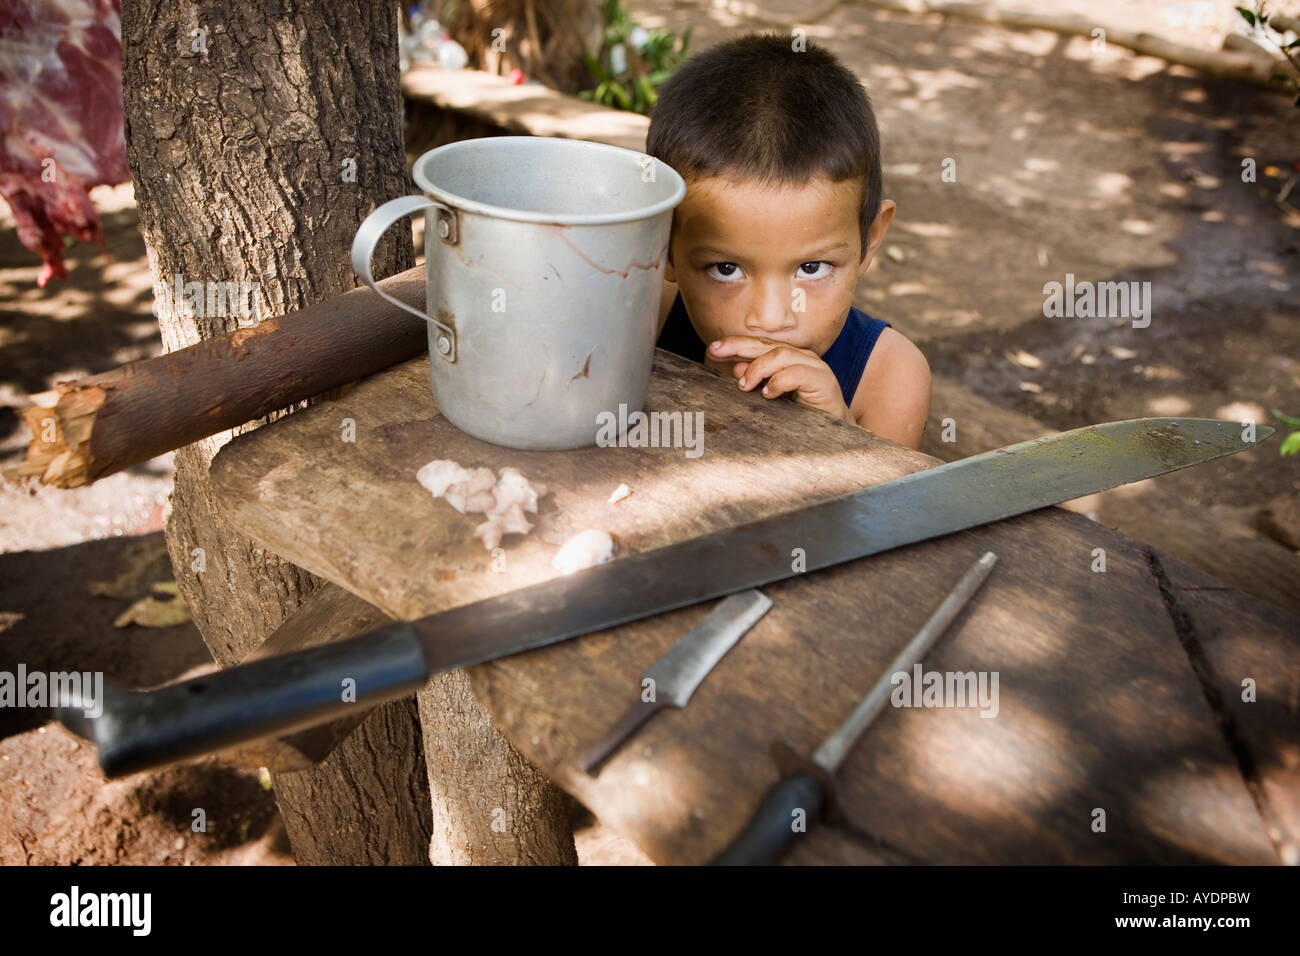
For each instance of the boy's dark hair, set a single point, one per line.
(752, 107)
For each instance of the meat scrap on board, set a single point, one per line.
(502, 500)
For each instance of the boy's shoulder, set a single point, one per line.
(895, 386)
(896, 352)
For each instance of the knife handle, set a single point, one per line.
(770, 831)
(141, 729)
(604, 748)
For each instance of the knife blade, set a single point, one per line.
(676, 674)
(139, 730)
(805, 785)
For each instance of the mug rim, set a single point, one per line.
(465, 204)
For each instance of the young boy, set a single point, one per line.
(782, 215)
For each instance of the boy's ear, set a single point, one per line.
(669, 274)
(876, 234)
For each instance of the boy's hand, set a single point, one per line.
(786, 369)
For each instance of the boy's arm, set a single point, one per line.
(893, 398)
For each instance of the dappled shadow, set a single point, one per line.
(1220, 257)
(49, 619)
(1110, 167)
(1064, 163)
(1066, 159)
(237, 810)
(1098, 708)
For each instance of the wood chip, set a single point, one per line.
(1023, 359)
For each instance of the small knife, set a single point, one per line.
(808, 785)
(680, 671)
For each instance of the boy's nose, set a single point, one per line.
(771, 310)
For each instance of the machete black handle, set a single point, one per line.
(138, 730)
(770, 831)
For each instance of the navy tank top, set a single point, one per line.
(847, 356)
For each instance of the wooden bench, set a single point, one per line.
(1116, 687)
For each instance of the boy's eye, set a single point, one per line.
(730, 272)
(727, 271)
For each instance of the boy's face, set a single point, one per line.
(740, 252)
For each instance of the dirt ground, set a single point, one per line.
(1103, 164)
(1100, 164)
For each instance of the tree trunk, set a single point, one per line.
(505, 812)
(259, 136)
(544, 38)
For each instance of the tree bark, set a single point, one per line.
(502, 811)
(238, 127)
(259, 134)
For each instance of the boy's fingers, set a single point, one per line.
(741, 346)
(789, 379)
(772, 361)
(807, 386)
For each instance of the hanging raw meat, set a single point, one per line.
(61, 115)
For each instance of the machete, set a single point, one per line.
(139, 730)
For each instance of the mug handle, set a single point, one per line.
(373, 228)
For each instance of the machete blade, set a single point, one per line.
(916, 507)
(280, 694)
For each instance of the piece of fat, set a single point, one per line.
(438, 476)
(584, 550)
(621, 492)
(512, 487)
(489, 532)
(511, 521)
(502, 501)
(474, 493)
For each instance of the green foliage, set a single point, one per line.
(633, 83)
(1290, 444)
(1258, 18)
